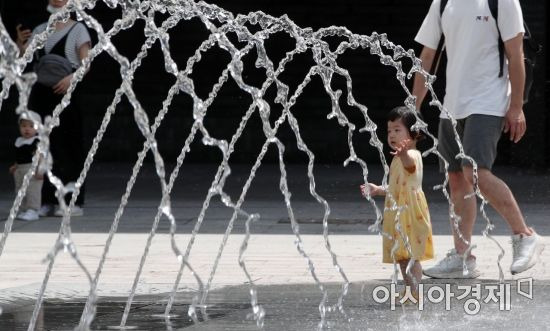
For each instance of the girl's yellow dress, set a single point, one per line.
(405, 185)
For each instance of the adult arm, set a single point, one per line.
(515, 118)
(63, 85)
(84, 50)
(419, 88)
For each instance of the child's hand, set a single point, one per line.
(13, 168)
(402, 148)
(373, 189)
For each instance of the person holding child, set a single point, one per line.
(25, 148)
(62, 54)
(413, 229)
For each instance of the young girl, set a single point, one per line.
(405, 186)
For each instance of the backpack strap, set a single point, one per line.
(59, 47)
(441, 45)
(493, 7)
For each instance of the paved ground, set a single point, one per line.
(286, 287)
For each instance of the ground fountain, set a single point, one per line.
(196, 306)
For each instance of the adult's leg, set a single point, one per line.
(499, 195)
(465, 208)
(67, 153)
(451, 266)
(75, 134)
(459, 187)
(43, 101)
(481, 135)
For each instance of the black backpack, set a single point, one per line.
(530, 49)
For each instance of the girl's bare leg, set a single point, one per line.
(416, 272)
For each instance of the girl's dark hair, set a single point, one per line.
(407, 116)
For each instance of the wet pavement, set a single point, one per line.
(295, 307)
(286, 288)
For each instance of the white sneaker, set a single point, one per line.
(526, 251)
(451, 267)
(75, 211)
(46, 210)
(28, 215)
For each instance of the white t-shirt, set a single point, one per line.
(471, 41)
(77, 37)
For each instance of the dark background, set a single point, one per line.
(374, 84)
